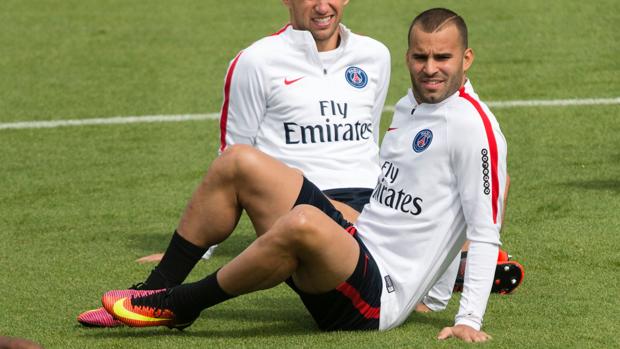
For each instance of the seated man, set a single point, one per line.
(442, 182)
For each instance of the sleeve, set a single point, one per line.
(478, 156)
(438, 297)
(244, 102)
(481, 261)
(383, 86)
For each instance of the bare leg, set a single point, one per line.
(306, 244)
(219, 192)
(241, 178)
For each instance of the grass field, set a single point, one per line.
(79, 204)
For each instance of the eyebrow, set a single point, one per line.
(435, 55)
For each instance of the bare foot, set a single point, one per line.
(152, 258)
(422, 308)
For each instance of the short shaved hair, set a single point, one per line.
(435, 19)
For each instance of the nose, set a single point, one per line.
(430, 67)
(322, 6)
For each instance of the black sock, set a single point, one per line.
(196, 296)
(180, 258)
(187, 300)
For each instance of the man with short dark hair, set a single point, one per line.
(443, 165)
(311, 95)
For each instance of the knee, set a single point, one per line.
(300, 217)
(237, 153)
(237, 160)
(298, 225)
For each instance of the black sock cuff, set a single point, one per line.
(219, 295)
(187, 247)
(201, 294)
(178, 261)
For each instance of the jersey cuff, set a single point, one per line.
(469, 322)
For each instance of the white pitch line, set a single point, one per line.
(214, 116)
(554, 102)
(545, 103)
(108, 121)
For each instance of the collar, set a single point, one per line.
(304, 39)
(467, 87)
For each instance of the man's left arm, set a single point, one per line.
(478, 157)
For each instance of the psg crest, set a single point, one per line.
(356, 77)
(422, 140)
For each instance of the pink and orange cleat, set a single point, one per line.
(98, 318)
(143, 308)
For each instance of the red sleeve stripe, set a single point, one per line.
(281, 30)
(364, 308)
(492, 150)
(224, 114)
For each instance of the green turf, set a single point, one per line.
(79, 204)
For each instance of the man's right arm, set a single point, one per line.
(244, 102)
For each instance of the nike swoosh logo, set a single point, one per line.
(392, 128)
(288, 82)
(120, 311)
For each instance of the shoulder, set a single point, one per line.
(264, 49)
(403, 105)
(402, 111)
(369, 46)
(466, 115)
(466, 111)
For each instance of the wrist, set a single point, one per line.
(468, 322)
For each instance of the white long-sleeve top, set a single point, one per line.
(443, 179)
(316, 111)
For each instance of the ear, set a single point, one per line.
(286, 3)
(468, 59)
(345, 2)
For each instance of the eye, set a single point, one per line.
(443, 57)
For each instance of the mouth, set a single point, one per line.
(432, 84)
(323, 22)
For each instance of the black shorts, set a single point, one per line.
(356, 303)
(354, 197)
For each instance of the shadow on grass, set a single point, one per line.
(254, 323)
(263, 322)
(432, 320)
(608, 184)
(147, 243)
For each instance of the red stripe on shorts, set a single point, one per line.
(364, 308)
(351, 230)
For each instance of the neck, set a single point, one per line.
(328, 45)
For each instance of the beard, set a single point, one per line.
(445, 90)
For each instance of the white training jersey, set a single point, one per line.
(443, 179)
(316, 111)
